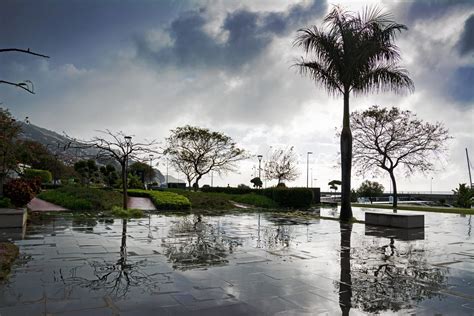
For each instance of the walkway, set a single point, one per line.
(141, 203)
(39, 205)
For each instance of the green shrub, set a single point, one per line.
(44, 175)
(19, 191)
(83, 198)
(163, 200)
(5, 202)
(206, 200)
(289, 197)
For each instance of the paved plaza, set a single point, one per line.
(246, 264)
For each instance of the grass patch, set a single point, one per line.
(164, 200)
(8, 254)
(83, 198)
(455, 210)
(117, 211)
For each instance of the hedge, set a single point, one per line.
(163, 200)
(228, 190)
(44, 175)
(289, 197)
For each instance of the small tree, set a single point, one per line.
(143, 170)
(464, 196)
(257, 182)
(388, 138)
(197, 151)
(333, 184)
(109, 175)
(9, 131)
(282, 165)
(87, 170)
(120, 148)
(370, 189)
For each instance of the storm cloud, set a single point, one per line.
(466, 41)
(243, 35)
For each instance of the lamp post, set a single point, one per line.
(307, 167)
(151, 167)
(259, 166)
(431, 186)
(128, 145)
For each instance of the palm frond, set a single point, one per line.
(320, 74)
(384, 78)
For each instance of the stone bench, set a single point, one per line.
(12, 217)
(395, 220)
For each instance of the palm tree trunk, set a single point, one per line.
(346, 162)
(394, 186)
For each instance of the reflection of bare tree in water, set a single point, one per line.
(388, 277)
(192, 243)
(116, 279)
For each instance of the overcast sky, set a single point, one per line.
(146, 67)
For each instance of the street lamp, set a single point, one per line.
(259, 166)
(431, 186)
(307, 167)
(151, 167)
(128, 144)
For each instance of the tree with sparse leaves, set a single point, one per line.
(119, 147)
(282, 165)
(353, 53)
(196, 151)
(387, 138)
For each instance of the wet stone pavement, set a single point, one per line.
(249, 264)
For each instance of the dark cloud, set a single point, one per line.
(466, 41)
(460, 87)
(79, 31)
(247, 33)
(430, 9)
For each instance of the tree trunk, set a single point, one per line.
(346, 162)
(2, 181)
(345, 292)
(196, 183)
(394, 186)
(124, 186)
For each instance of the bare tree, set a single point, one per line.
(26, 85)
(282, 165)
(197, 151)
(387, 138)
(119, 147)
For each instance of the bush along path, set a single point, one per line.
(163, 200)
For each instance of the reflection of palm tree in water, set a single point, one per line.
(345, 286)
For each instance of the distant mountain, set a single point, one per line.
(52, 140)
(58, 144)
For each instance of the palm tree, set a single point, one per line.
(353, 52)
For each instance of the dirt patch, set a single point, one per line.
(8, 254)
